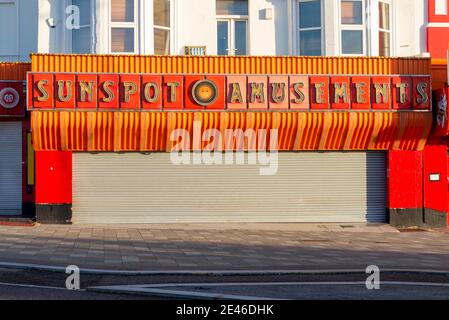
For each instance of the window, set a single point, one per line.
(352, 27)
(82, 34)
(123, 26)
(232, 22)
(441, 7)
(9, 27)
(310, 28)
(161, 12)
(384, 29)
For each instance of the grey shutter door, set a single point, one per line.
(308, 187)
(10, 168)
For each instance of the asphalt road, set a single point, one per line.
(11, 292)
(31, 284)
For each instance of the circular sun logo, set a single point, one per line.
(9, 98)
(204, 92)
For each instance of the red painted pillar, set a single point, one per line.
(435, 185)
(405, 186)
(53, 186)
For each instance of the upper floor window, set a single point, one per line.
(310, 28)
(161, 13)
(353, 27)
(123, 24)
(82, 34)
(232, 25)
(9, 26)
(441, 7)
(384, 29)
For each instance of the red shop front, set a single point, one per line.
(350, 134)
(16, 152)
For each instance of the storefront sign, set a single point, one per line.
(173, 92)
(11, 99)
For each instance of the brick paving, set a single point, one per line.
(224, 247)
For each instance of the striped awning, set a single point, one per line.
(151, 131)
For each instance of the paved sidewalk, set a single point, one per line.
(224, 247)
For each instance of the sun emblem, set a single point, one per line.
(204, 92)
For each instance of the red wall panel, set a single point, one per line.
(437, 42)
(435, 192)
(53, 177)
(404, 180)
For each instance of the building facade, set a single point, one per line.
(358, 136)
(223, 27)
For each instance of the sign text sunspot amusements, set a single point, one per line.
(174, 92)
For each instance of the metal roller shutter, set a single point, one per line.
(308, 187)
(10, 168)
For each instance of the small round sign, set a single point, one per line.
(9, 98)
(204, 92)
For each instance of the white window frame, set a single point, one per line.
(69, 43)
(131, 25)
(231, 20)
(379, 29)
(353, 27)
(170, 28)
(299, 29)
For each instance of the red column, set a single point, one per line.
(405, 186)
(435, 185)
(53, 186)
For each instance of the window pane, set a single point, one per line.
(310, 14)
(81, 40)
(162, 13)
(122, 40)
(122, 10)
(351, 12)
(161, 41)
(384, 15)
(232, 7)
(222, 37)
(441, 7)
(310, 43)
(84, 8)
(384, 44)
(240, 38)
(352, 42)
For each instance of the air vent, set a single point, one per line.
(195, 50)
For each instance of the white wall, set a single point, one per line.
(262, 33)
(409, 21)
(196, 25)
